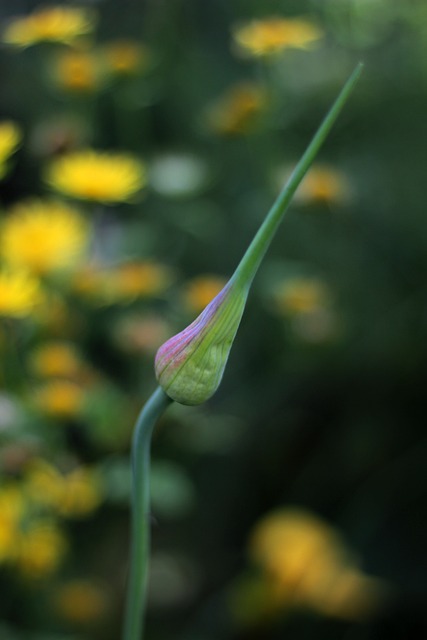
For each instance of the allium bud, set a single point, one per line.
(190, 365)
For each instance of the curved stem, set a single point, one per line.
(140, 546)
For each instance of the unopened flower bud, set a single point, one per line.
(189, 366)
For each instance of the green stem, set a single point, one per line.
(140, 547)
(259, 245)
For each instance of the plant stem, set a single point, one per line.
(259, 245)
(140, 546)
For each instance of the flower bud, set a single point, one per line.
(189, 366)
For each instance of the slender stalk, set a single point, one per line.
(259, 245)
(140, 545)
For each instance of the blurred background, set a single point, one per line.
(141, 144)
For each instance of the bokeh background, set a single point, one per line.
(141, 144)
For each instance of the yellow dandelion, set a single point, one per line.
(40, 548)
(323, 184)
(82, 493)
(273, 35)
(59, 399)
(201, 290)
(43, 236)
(124, 57)
(98, 176)
(237, 111)
(77, 71)
(56, 359)
(51, 24)
(20, 293)
(80, 601)
(10, 137)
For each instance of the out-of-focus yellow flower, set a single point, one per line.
(12, 504)
(125, 57)
(20, 293)
(40, 548)
(82, 493)
(59, 399)
(56, 359)
(77, 71)
(141, 334)
(10, 137)
(306, 564)
(201, 290)
(43, 236)
(50, 24)
(273, 35)
(323, 184)
(301, 295)
(98, 176)
(80, 602)
(237, 111)
(73, 495)
(122, 283)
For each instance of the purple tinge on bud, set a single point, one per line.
(190, 365)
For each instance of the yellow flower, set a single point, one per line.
(12, 505)
(93, 175)
(77, 71)
(82, 493)
(308, 565)
(40, 548)
(60, 399)
(273, 35)
(56, 359)
(10, 137)
(124, 57)
(301, 295)
(80, 601)
(201, 290)
(73, 495)
(43, 235)
(51, 24)
(236, 112)
(20, 293)
(123, 283)
(323, 184)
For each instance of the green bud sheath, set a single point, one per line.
(190, 365)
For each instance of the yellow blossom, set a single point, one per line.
(56, 359)
(301, 295)
(305, 562)
(77, 71)
(201, 290)
(20, 293)
(323, 184)
(43, 235)
(80, 601)
(10, 137)
(273, 35)
(122, 283)
(124, 57)
(236, 112)
(59, 399)
(98, 176)
(82, 493)
(40, 548)
(50, 24)
(12, 506)
(74, 494)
